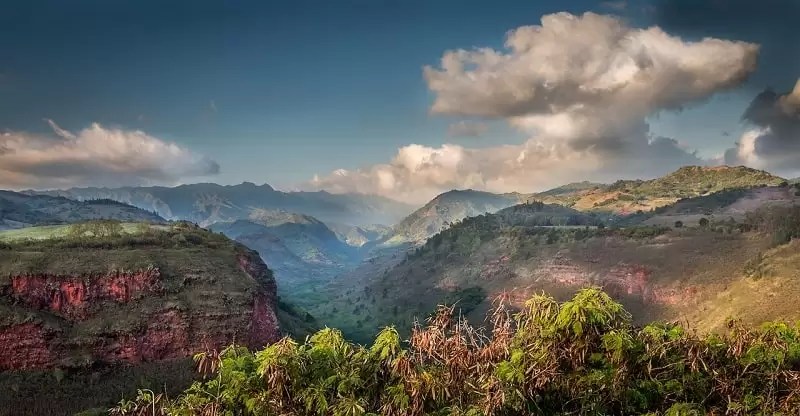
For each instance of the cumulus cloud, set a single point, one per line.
(96, 155)
(467, 129)
(587, 78)
(417, 173)
(581, 86)
(771, 23)
(774, 141)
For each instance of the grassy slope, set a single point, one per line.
(630, 196)
(770, 294)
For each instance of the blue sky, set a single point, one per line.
(279, 91)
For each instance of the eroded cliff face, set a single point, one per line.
(631, 280)
(72, 297)
(134, 317)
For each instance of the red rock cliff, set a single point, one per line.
(165, 328)
(72, 296)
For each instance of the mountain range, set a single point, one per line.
(692, 235)
(18, 210)
(207, 203)
(302, 251)
(698, 245)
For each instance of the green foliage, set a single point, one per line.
(466, 300)
(580, 357)
(110, 234)
(783, 223)
(97, 228)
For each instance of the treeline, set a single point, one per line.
(783, 223)
(579, 357)
(534, 217)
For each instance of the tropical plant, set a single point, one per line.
(583, 356)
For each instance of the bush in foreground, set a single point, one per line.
(578, 357)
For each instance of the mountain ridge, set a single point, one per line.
(18, 210)
(206, 203)
(447, 208)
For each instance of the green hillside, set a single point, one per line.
(302, 251)
(447, 209)
(658, 272)
(630, 196)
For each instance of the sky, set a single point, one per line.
(404, 99)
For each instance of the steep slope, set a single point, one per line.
(359, 236)
(19, 210)
(207, 203)
(448, 208)
(83, 306)
(303, 252)
(657, 272)
(726, 205)
(629, 196)
(384, 289)
(306, 236)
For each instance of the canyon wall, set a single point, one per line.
(133, 316)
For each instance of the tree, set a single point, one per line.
(704, 222)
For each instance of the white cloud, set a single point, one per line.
(95, 156)
(773, 142)
(417, 173)
(585, 78)
(580, 86)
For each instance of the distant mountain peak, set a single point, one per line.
(274, 217)
(448, 208)
(251, 185)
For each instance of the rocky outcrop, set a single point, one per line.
(72, 296)
(622, 279)
(133, 317)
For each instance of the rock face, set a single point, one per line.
(52, 320)
(72, 297)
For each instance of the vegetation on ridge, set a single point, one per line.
(631, 196)
(582, 356)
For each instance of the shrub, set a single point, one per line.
(579, 357)
(678, 224)
(704, 222)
